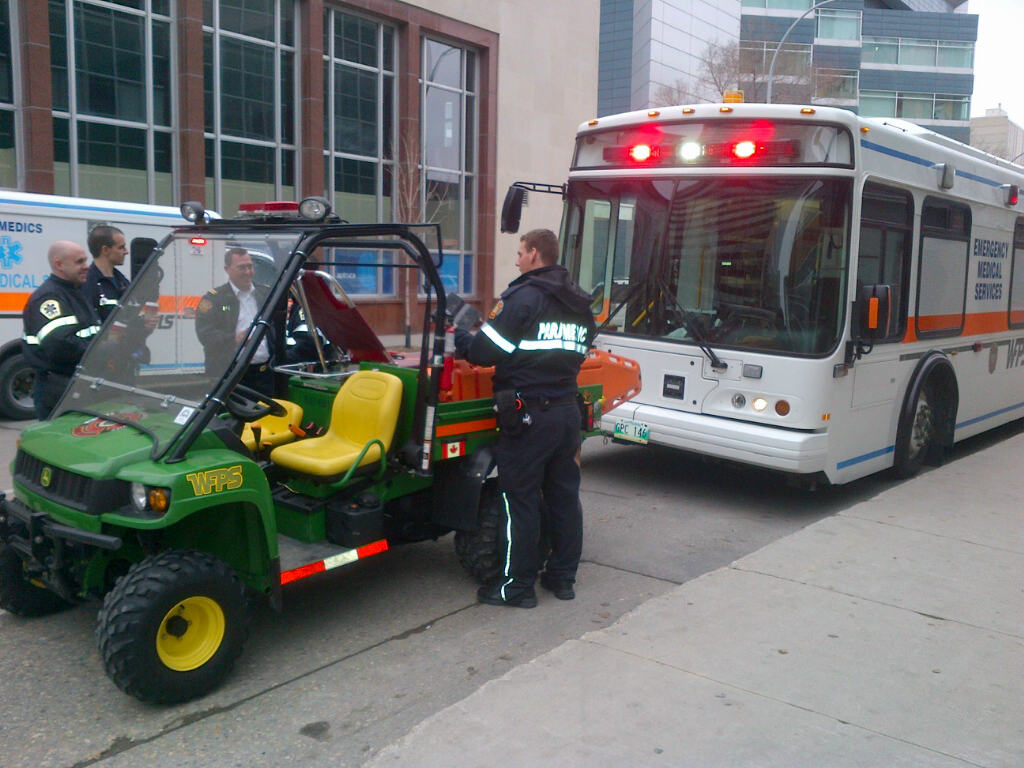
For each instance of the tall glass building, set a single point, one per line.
(911, 59)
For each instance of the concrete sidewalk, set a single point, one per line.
(889, 635)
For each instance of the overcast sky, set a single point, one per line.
(997, 71)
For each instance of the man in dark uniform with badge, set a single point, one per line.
(537, 336)
(59, 322)
(104, 283)
(223, 319)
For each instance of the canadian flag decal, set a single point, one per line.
(454, 450)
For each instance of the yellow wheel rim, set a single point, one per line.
(190, 634)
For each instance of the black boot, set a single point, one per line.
(562, 588)
(517, 597)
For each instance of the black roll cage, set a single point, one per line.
(340, 235)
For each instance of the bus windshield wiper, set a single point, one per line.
(696, 332)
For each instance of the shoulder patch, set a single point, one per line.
(496, 310)
(204, 307)
(50, 309)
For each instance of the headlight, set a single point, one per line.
(150, 499)
(139, 494)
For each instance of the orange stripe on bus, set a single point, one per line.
(465, 426)
(13, 302)
(973, 324)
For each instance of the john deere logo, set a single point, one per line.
(45, 477)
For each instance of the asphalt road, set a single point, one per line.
(362, 654)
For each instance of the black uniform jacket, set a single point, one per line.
(537, 335)
(59, 323)
(216, 317)
(104, 292)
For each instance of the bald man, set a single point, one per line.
(59, 323)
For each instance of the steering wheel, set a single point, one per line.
(247, 404)
(738, 316)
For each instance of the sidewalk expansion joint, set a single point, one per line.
(631, 572)
(876, 601)
(784, 702)
(931, 533)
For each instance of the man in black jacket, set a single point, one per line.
(223, 319)
(536, 336)
(59, 322)
(104, 283)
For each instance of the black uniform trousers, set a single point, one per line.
(541, 461)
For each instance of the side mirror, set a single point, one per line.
(512, 209)
(142, 248)
(875, 311)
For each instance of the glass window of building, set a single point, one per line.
(878, 103)
(449, 156)
(917, 52)
(952, 107)
(951, 54)
(8, 155)
(838, 25)
(835, 84)
(250, 84)
(360, 140)
(881, 50)
(112, 86)
(789, 5)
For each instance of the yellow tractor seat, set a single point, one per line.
(363, 421)
(274, 430)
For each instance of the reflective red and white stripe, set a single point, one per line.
(334, 561)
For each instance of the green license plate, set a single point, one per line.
(634, 431)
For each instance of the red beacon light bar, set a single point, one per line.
(269, 208)
(689, 152)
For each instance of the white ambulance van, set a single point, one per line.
(29, 223)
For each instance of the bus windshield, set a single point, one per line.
(734, 262)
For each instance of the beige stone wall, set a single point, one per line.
(547, 86)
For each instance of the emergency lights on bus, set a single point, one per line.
(197, 241)
(744, 149)
(641, 153)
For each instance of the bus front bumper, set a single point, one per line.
(786, 450)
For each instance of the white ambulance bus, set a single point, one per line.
(29, 223)
(805, 290)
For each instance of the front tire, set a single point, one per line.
(18, 594)
(16, 380)
(917, 437)
(171, 629)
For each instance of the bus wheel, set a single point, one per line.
(171, 629)
(917, 437)
(19, 594)
(16, 380)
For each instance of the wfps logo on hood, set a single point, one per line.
(97, 426)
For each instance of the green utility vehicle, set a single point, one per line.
(176, 495)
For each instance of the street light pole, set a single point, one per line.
(778, 47)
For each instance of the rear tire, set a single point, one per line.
(172, 628)
(16, 380)
(18, 595)
(482, 552)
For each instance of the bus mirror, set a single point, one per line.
(142, 248)
(875, 305)
(512, 209)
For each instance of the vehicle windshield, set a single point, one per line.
(737, 262)
(172, 338)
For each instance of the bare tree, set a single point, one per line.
(728, 66)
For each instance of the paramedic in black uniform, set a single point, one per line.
(59, 322)
(537, 336)
(104, 283)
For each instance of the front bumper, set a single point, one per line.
(47, 547)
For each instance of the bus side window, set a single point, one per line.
(1017, 277)
(887, 216)
(942, 267)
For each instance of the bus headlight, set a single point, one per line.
(782, 407)
(759, 404)
(738, 400)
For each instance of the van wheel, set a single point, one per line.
(916, 438)
(16, 380)
(18, 594)
(482, 552)
(171, 629)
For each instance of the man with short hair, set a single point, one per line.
(104, 283)
(537, 336)
(59, 323)
(225, 315)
